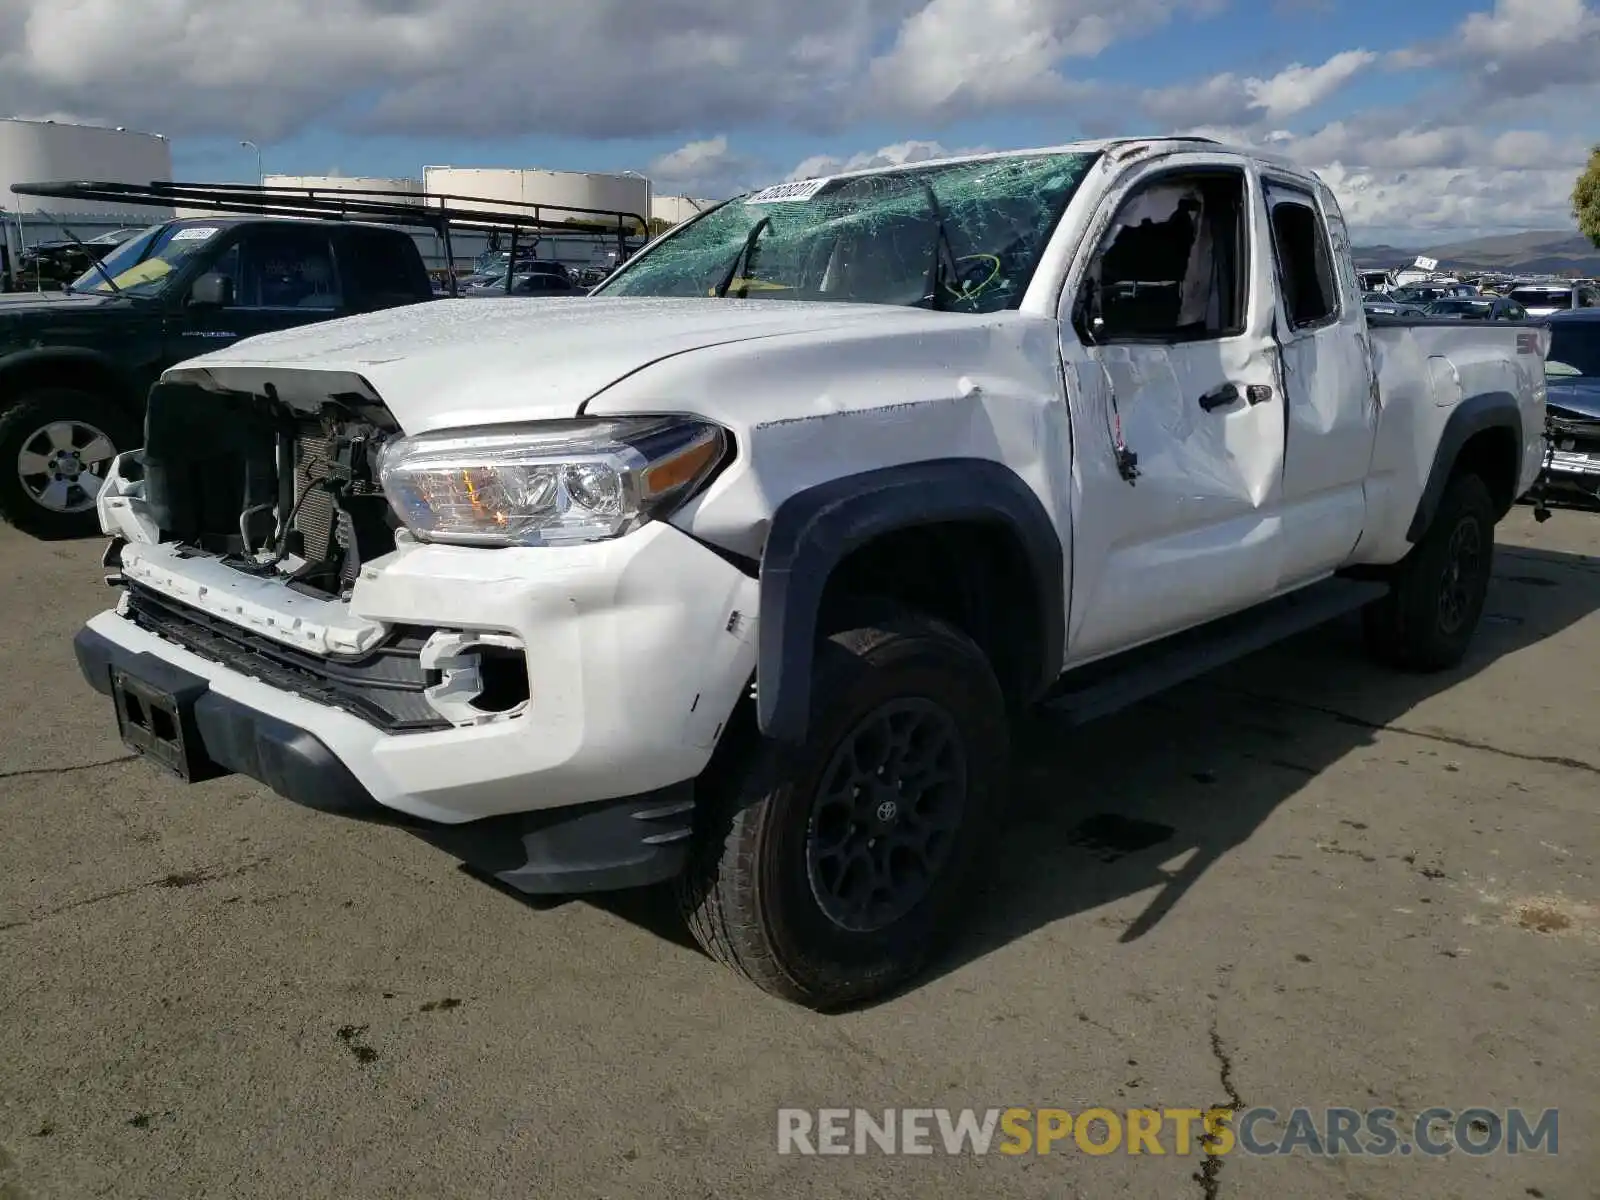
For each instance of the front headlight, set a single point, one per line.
(553, 483)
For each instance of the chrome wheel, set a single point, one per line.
(63, 465)
(886, 815)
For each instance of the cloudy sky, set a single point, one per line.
(1430, 118)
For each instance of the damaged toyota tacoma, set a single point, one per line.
(737, 572)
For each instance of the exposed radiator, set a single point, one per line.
(313, 453)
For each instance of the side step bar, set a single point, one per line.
(1115, 683)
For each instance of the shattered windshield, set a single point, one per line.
(964, 236)
(140, 266)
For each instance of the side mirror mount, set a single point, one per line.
(213, 290)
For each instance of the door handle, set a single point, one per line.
(1217, 397)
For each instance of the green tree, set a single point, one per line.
(1586, 198)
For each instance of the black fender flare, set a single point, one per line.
(815, 529)
(127, 390)
(1474, 415)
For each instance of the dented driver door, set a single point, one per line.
(1177, 418)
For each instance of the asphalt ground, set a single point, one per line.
(1364, 890)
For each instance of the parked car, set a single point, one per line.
(1478, 308)
(1572, 377)
(743, 594)
(532, 279)
(590, 277)
(75, 365)
(1542, 299)
(50, 266)
(1419, 296)
(1378, 304)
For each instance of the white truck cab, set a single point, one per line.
(734, 572)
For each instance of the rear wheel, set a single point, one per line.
(56, 446)
(828, 873)
(1428, 620)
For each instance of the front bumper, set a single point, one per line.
(625, 842)
(1574, 472)
(637, 651)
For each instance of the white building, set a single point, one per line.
(581, 191)
(676, 209)
(52, 152)
(56, 152)
(411, 189)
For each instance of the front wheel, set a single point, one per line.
(828, 873)
(56, 446)
(1428, 620)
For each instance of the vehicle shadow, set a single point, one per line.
(1188, 776)
(1098, 813)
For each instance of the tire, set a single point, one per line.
(1429, 618)
(763, 892)
(50, 503)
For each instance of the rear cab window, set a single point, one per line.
(381, 269)
(1307, 277)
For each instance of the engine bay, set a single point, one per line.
(277, 477)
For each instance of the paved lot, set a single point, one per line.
(1377, 891)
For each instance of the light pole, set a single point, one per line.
(261, 177)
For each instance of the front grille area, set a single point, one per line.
(1573, 431)
(383, 687)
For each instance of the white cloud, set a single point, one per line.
(1522, 48)
(479, 67)
(963, 56)
(897, 155)
(1231, 99)
(1440, 203)
(1433, 181)
(1297, 88)
(709, 167)
(600, 68)
(682, 71)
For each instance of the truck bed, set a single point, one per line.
(1479, 357)
(1432, 371)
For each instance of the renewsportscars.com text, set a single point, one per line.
(1377, 1132)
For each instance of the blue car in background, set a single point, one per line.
(1572, 382)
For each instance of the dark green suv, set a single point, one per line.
(75, 365)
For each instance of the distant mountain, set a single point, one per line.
(1539, 252)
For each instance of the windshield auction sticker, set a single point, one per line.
(196, 233)
(782, 193)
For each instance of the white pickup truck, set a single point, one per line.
(734, 572)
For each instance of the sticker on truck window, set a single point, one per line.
(197, 233)
(785, 193)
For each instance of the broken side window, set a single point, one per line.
(1173, 266)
